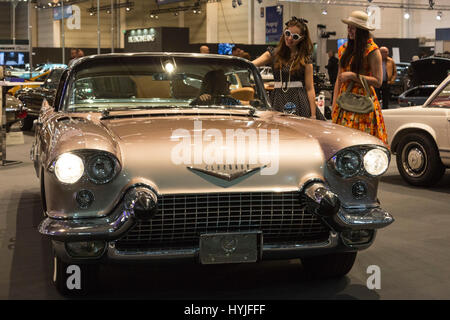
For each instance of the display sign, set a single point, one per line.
(12, 58)
(141, 35)
(74, 22)
(274, 23)
(57, 12)
(374, 13)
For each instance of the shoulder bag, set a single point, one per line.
(357, 103)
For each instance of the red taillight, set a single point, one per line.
(22, 115)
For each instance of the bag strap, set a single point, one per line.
(365, 86)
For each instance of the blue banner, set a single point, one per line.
(274, 23)
(57, 12)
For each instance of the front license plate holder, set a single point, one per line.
(219, 248)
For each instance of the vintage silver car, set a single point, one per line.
(138, 163)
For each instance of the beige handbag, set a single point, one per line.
(357, 103)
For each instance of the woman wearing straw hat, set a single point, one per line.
(359, 56)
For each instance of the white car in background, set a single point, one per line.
(420, 137)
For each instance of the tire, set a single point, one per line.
(333, 265)
(418, 160)
(26, 124)
(63, 277)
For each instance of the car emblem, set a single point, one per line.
(227, 172)
(229, 244)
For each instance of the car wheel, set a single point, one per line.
(74, 279)
(418, 160)
(26, 124)
(329, 266)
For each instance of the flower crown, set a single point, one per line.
(294, 18)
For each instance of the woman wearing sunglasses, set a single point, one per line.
(292, 71)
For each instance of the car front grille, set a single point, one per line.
(182, 218)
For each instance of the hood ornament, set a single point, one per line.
(227, 172)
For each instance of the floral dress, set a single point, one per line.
(373, 122)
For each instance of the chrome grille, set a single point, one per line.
(182, 218)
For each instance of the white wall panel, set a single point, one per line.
(232, 22)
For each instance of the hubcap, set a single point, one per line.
(414, 159)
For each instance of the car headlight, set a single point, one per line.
(376, 162)
(69, 168)
(101, 168)
(348, 163)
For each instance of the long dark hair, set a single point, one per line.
(356, 48)
(304, 47)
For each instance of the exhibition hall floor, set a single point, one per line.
(413, 253)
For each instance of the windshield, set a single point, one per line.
(134, 82)
(52, 80)
(443, 98)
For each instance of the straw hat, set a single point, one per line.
(359, 19)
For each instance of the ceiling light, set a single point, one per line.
(406, 15)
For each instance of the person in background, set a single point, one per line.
(389, 76)
(215, 89)
(80, 53)
(236, 51)
(245, 55)
(332, 67)
(293, 71)
(204, 49)
(359, 56)
(73, 55)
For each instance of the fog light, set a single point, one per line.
(84, 198)
(86, 249)
(359, 190)
(357, 237)
(143, 202)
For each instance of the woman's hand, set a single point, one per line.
(205, 97)
(346, 76)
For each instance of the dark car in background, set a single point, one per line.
(32, 98)
(399, 85)
(416, 96)
(423, 77)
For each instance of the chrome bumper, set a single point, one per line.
(268, 252)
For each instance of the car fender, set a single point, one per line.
(411, 127)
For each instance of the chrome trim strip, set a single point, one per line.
(115, 254)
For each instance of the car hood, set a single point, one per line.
(431, 70)
(179, 153)
(402, 111)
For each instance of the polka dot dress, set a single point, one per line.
(291, 100)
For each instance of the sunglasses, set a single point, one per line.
(295, 36)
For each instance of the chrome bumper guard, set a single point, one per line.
(323, 203)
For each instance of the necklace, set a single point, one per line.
(289, 79)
